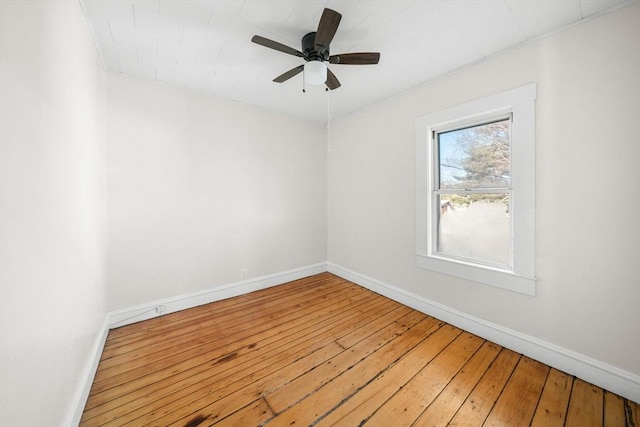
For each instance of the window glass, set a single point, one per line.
(475, 156)
(475, 227)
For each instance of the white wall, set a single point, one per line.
(52, 208)
(200, 189)
(587, 190)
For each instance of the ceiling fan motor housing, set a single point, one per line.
(309, 49)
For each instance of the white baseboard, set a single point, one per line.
(150, 310)
(623, 383)
(89, 373)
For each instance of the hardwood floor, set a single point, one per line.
(322, 351)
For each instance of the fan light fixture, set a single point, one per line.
(315, 72)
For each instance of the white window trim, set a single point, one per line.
(521, 103)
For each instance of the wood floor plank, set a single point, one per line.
(195, 363)
(320, 403)
(517, 403)
(289, 347)
(174, 321)
(552, 408)
(323, 351)
(614, 413)
(216, 327)
(152, 327)
(222, 335)
(585, 406)
(180, 323)
(359, 406)
(254, 414)
(632, 412)
(360, 334)
(177, 323)
(213, 384)
(304, 385)
(194, 366)
(442, 410)
(476, 408)
(232, 396)
(215, 349)
(404, 407)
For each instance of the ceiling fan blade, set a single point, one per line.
(362, 58)
(332, 81)
(327, 28)
(276, 46)
(287, 75)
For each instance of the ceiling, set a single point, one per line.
(205, 46)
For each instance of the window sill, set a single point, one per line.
(488, 276)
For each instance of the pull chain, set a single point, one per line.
(304, 83)
(328, 122)
(328, 108)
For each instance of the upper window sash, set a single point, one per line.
(438, 161)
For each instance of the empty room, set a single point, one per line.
(316, 213)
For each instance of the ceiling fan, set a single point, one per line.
(315, 51)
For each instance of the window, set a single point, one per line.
(475, 183)
(472, 188)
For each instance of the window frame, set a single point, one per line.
(520, 104)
